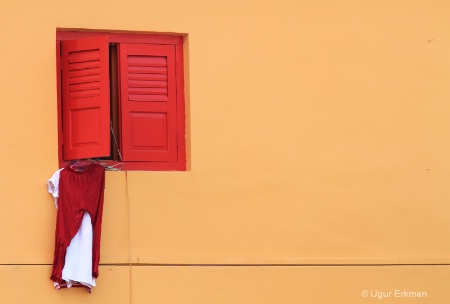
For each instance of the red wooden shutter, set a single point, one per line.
(148, 102)
(85, 97)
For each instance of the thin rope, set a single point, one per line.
(115, 141)
(129, 233)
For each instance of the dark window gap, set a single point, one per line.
(114, 97)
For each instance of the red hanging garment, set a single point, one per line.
(79, 192)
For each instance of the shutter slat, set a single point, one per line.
(84, 65)
(84, 94)
(84, 55)
(147, 77)
(147, 84)
(142, 60)
(152, 98)
(84, 72)
(84, 86)
(147, 91)
(147, 70)
(84, 79)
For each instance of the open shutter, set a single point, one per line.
(148, 102)
(85, 97)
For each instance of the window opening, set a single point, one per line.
(146, 113)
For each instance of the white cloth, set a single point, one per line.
(53, 186)
(78, 262)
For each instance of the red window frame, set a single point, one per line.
(173, 157)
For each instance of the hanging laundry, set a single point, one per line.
(79, 200)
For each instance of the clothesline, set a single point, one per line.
(79, 164)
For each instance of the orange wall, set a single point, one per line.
(318, 134)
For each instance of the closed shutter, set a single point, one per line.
(85, 97)
(148, 102)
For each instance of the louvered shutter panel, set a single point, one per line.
(85, 97)
(148, 102)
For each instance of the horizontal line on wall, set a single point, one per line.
(268, 262)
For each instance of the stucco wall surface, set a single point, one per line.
(317, 134)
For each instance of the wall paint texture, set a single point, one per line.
(318, 137)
